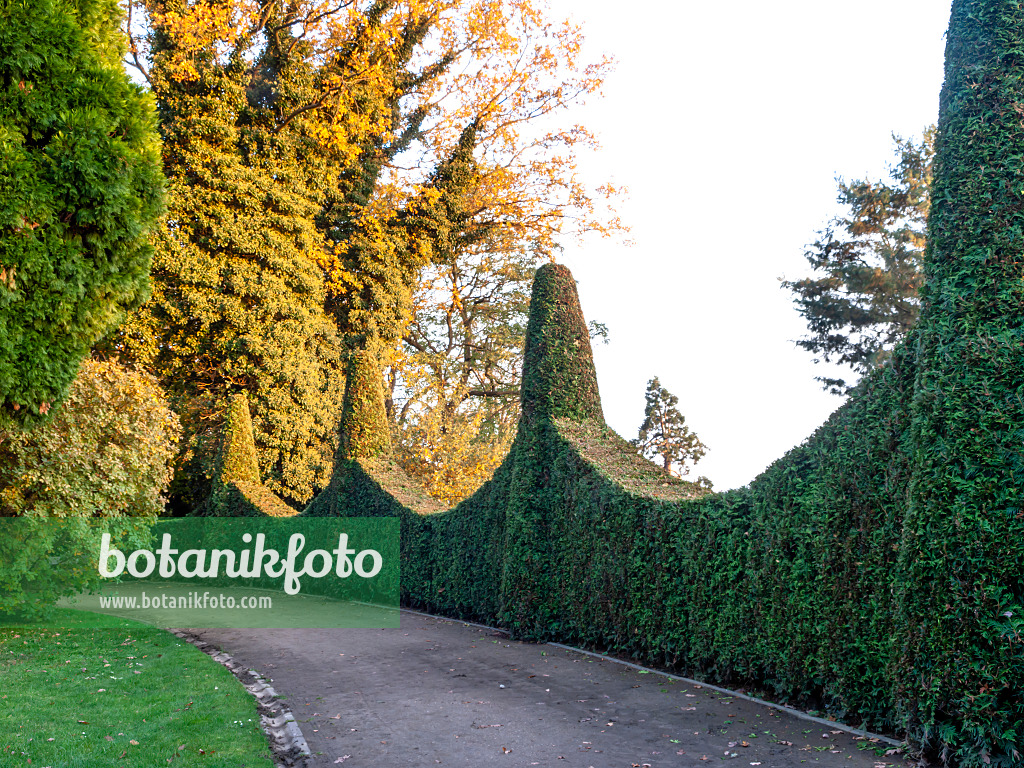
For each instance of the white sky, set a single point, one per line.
(729, 122)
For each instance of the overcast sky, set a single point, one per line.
(729, 123)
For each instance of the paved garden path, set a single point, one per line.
(440, 692)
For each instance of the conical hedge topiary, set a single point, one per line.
(559, 378)
(365, 433)
(237, 489)
(237, 460)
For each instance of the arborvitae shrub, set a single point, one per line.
(80, 190)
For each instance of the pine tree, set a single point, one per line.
(864, 296)
(80, 190)
(664, 436)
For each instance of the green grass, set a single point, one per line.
(124, 695)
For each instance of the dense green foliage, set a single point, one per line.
(559, 380)
(962, 608)
(825, 582)
(863, 297)
(80, 190)
(106, 454)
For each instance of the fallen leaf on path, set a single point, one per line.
(343, 758)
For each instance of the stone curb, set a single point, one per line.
(287, 743)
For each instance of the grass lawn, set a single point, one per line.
(128, 695)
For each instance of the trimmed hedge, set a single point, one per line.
(237, 490)
(796, 585)
(875, 571)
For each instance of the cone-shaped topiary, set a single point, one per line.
(559, 379)
(365, 433)
(237, 490)
(237, 460)
(963, 538)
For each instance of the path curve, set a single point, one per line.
(441, 692)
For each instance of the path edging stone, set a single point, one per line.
(287, 743)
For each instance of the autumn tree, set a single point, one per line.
(256, 134)
(663, 436)
(497, 205)
(357, 116)
(502, 71)
(863, 297)
(457, 381)
(80, 192)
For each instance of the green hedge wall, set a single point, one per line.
(875, 571)
(796, 585)
(959, 611)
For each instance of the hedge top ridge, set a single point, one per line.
(559, 379)
(365, 433)
(238, 448)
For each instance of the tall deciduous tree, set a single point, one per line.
(239, 297)
(406, 132)
(457, 383)
(663, 436)
(80, 191)
(864, 295)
